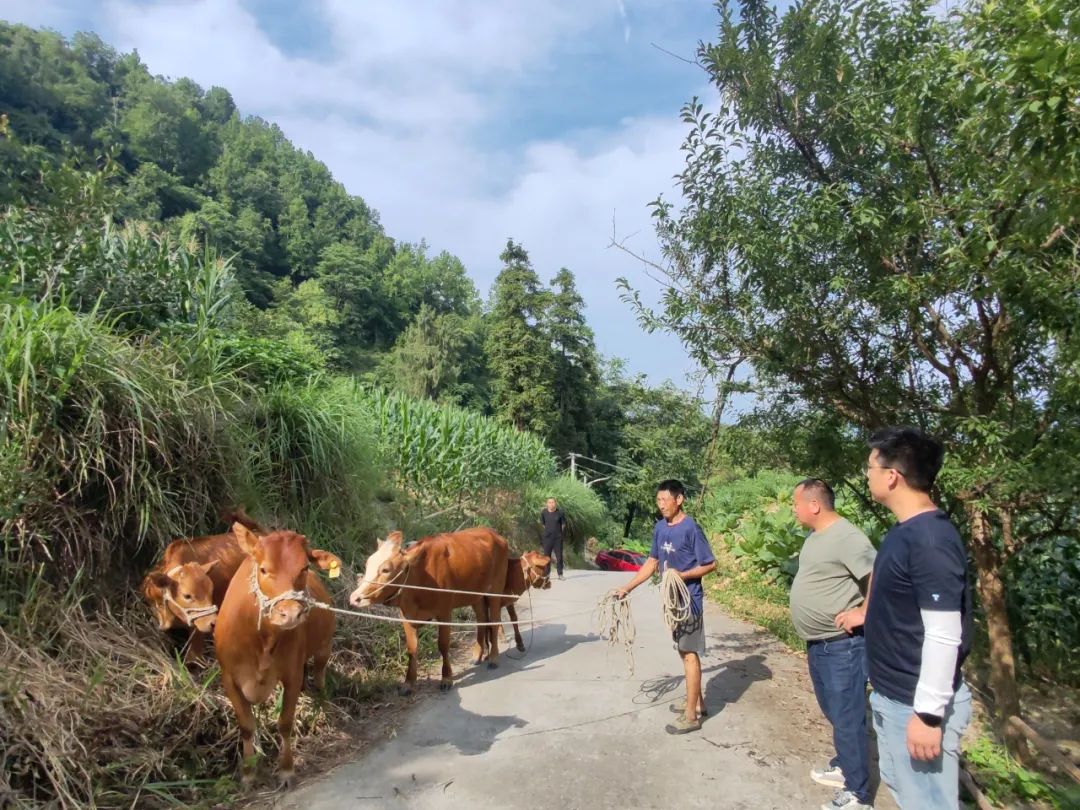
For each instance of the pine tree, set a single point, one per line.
(575, 365)
(519, 353)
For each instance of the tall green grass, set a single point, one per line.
(104, 443)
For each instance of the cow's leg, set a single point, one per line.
(482, 632)
(195, 647)
(481, 643)
(493, 638)
(245, 719)
(514, 621)
(318, 668)
(410, 645)
(444, 650)
(292, 689)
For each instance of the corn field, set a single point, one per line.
(445, 454)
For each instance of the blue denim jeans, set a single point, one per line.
(918, 785)
(838, 670)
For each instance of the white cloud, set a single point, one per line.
(625, 20)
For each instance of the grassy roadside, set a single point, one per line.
(748, 595)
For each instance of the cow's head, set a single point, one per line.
(183, 596)
(279, 573)
(386, 565)
(535, 565)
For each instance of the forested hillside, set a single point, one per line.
(314, 265)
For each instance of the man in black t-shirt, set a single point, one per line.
(554, 524)
(918, 626)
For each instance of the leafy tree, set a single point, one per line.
(163, 125)
(413, 281)
(575, 366)
(425, 363)
(352, 277)
(519, 354)
(663, 434)
(880, 216)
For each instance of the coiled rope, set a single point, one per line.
(674, 599)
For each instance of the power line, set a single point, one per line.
(576, 458)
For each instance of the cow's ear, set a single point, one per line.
(247, 541)
(208, 565)
(324, 559)
(174, 572)
(153, 584)
(395, 538)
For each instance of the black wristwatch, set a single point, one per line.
(931, 720)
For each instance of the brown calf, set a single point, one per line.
(187, 586)
(267, 629)
(469, 560)
(530, 571)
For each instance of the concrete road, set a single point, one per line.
(566, 727)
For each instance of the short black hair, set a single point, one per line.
(819, 489)
(912, 452)
(672, 485)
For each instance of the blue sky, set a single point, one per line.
(554, 122)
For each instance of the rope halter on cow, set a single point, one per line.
(189, 615)
(266, 603)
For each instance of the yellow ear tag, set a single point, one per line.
(334, 571)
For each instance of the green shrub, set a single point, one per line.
(1006, 783)
(755, 518)
(1042, 584)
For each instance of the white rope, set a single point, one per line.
(401, 619)
(616, 624)
(674, 599)
(189, 615)
(392, 584)
(265, 603)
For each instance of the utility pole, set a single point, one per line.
(573, 466)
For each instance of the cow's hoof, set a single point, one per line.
(445, 685)
(493, 665)
(247, 780)
(405, 690)
(286, 780)
(521, 646)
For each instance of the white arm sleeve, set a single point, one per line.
(941, 646)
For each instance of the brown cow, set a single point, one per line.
(528, 571)
(469, 560)
(187, 587)
(268, 628)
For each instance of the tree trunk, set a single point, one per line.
(629, 520)
(988, 564)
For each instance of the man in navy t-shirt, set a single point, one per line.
(918, 626)
(679, 544)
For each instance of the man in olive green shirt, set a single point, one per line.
(827, 604)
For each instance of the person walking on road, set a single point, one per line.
(918, 626)
(554, 526)
(827, 604)
(679, 544)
